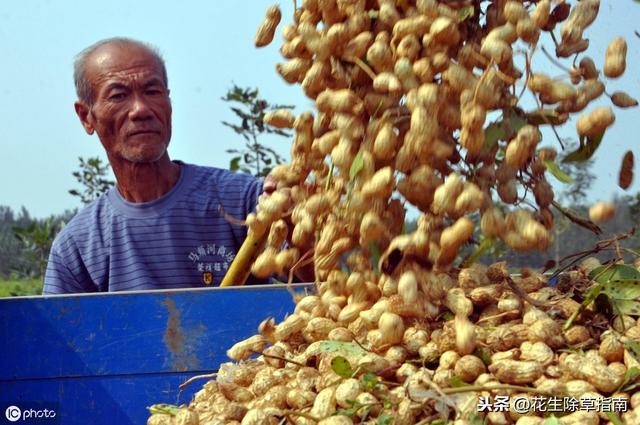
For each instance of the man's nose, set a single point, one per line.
(140, 108)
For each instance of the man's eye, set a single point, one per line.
(154, 92)
(117, 96)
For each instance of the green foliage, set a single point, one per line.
(588, 146)
(580, 172)
(347, 349)
(20, 287)
(556, 172)
(20, 238)
(631, 380)
(255, 158)
(369, 381)
(613, 418)
(37, 238)
(356, 166)
(92, 176)
(617, 286)
(503, 129)
(341, 367)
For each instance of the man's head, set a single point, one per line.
(123, 97)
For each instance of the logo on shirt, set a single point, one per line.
(211, 258)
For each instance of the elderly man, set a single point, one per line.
(162, 225)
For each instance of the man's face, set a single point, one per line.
(131, 110)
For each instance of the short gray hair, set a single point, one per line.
(83, 86)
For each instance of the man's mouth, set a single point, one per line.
(141, 132)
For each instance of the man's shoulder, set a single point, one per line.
(220, 177)
(85, 221)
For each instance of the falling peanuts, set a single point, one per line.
(596, 122)
(520, 149)
(582, 15)
(540, 15)
(615, 58)
(391, 328)
(380, 185)
(387, 82)
(602, 211)
(295, 70)
(444, 30)
(357, 47)
(445, 195)
(343, 100)
(280, 118)
(453, 237)
(420, 104)
(379, 55)
(492, 222)
(267, 28)
(623, 100)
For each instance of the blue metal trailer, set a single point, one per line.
(102, 358)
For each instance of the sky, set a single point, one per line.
(207, 46)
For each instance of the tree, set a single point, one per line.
(37, 238)
(249, 108)
(92, 176)
(580, 171)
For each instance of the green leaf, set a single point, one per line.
(384, 420)
(493, 133)
(552, 421)
(557, 172)
(163, 409)
(614, 418)
(630, 378)
(476, 419)
(544, 117)
(457, 382)
(447, 315)
(374, 251)
(329, 176)
(350, 412)
(585, 151)
(341, 367)
(634, 348)
(503, 129)
(620, 284)
(605, 274)
(356, 166)
(483, 354)
(479, 251)
(234, 164)
(347, 349)
(369, 381)
(465, 13)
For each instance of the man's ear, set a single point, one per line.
(83, 111)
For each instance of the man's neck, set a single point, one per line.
(145, 182)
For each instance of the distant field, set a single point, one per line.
(14, 288)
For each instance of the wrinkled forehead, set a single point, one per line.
(122, 62)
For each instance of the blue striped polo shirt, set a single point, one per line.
(181, 240)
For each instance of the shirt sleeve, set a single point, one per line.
(254, 191)
(58, 279)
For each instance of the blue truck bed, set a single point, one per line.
(101, 359)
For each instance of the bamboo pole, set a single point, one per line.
(241, 265)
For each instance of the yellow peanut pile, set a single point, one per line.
(404, 91)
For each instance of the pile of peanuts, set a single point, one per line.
(404, 90)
